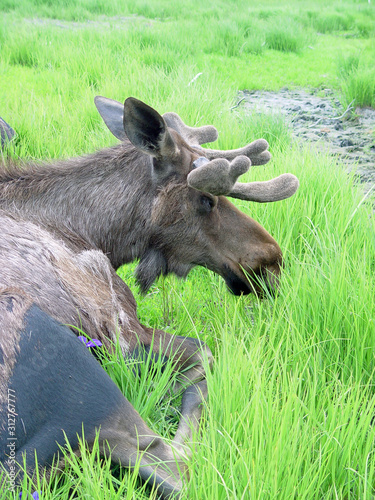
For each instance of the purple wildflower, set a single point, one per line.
(90, 343)
(94, 343)
(35, 495)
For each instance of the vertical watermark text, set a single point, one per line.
(12, 439)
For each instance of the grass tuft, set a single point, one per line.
(360, 85)
(286, 35)
(328, 22)
(357, 81)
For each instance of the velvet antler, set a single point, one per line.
(219, 177)
(195, 136)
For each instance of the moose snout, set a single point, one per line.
(260, 276)
(265, 277)
(262, 283)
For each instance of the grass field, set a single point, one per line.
(292, 394)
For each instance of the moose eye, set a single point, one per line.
(208, 203)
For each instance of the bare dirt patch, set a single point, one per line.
(316, 119)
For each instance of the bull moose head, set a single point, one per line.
(191, 220)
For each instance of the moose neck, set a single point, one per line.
(102, 200)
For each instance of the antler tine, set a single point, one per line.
(277, 189)
(219, 177)
(192, 135)
(256, 151)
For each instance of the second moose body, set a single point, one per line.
(159, 197)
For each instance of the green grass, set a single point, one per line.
(361, 85)
(357, 80)
(292, 396)
(286, 35)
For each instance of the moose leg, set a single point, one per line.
(191, 357)
(132, 442)
(59, 388)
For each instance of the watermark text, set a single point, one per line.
(12, 439)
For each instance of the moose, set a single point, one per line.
(158, 196)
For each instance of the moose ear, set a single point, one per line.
(147, 130)
(112, 113)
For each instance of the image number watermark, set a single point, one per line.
(12, 439)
